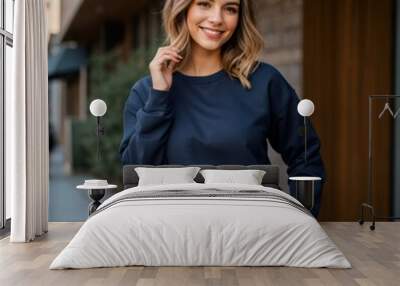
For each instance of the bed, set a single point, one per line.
(197, 224)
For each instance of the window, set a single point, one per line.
(6, 44)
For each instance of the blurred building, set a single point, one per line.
(53, 10)
(79, 28)
(334, 52)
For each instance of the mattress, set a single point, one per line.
(201, 225)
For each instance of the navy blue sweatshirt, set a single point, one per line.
(214, 120)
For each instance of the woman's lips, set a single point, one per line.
(211, 33)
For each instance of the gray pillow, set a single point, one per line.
(163, 176)
(248, 177)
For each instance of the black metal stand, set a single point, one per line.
(365, 206)
(96, 195)
(305, 141)
(99, 132)
(361, 220)
(368, 205)
(305, 193)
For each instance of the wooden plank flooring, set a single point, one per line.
(375, 256)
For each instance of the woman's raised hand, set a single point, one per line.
(162, 66)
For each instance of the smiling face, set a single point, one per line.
(211, 23)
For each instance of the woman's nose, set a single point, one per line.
(215, 16)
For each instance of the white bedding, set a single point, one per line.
(200, 231)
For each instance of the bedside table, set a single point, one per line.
(305, 187)
(96, 193)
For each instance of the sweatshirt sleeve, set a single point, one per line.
(146, 121)
(286, 137)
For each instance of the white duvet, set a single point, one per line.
(200, 231)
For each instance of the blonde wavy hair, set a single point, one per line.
(239, 53)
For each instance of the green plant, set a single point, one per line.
(110, 80)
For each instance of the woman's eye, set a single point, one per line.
(231, 10)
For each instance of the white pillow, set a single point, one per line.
(248, 177)
(163, 176)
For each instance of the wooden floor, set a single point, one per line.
(375, 257)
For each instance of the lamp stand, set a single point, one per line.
(99, 132)
(305, 139)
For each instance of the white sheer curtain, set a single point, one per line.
(27, 155)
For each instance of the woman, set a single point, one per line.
(209, 101)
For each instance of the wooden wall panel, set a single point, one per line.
(348, 55)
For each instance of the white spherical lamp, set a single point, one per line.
(98, 107)
(305, 107)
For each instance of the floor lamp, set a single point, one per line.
(305, 185)
(98, 108)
